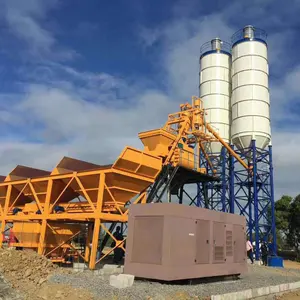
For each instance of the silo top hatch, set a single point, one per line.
(249, 33)
(216, 45)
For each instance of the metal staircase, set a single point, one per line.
(164, 180)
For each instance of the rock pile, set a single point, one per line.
(25, 267)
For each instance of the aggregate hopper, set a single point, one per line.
(59, 246)
(20, 193)
(74, 187)
(133, 172)
(75, 184)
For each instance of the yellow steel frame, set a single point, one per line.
(190, 121)
(97, 213)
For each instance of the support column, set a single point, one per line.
(199, 196)
(223, 172)
(231, 183)
(205, 195)
(273, 225)
(88, 241)
(169, 194)
(3, 222)
(255, 199)
(5, 210)
(200, 185)
(250, 202)
(45, 215)
(181, 195)
(42, 237)
(144, 198)
(92, 263)
(96, 231)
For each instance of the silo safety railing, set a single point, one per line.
(258, 34)
(207, 48)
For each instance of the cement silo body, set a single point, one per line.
(215, 87)
(250, 100)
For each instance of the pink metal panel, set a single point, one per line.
(182, 238)
(229, 243)
(218, 242)
(239, 242)
(147, 241)
(203, 241)
(182, 241)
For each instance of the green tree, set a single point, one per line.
(282, 211)
(281, 219)
(294, 225)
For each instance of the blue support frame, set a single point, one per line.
(254, 195)
(216, 195)
(273, 224)
(243, 193)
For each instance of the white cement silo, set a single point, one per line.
(250, 99)
(215, 88)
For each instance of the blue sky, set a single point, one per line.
(82, 78)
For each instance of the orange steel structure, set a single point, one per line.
(90, 195)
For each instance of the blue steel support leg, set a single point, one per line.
(231, 183)
(199, 198)
(255, 200)
(250, 219)
(223, 193)
(273, 225)
(198, 204)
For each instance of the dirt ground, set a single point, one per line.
(289, 296)
(291, 265)
(27, 274)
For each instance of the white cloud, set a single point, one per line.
(24, 19)
(284, 98)
(181, 40)
(286, 163)
(182, 55)
(68, 125)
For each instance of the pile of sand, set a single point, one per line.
(28, 272)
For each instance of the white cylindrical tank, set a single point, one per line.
(215, 87)
(250, 99)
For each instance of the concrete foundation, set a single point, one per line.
(258, 292)
(121, 281)
(109, 270)
(79, 267)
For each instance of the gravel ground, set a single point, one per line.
(7, 292)
(258, 276)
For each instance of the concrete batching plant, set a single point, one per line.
(220, 143)
(46, 211)
(246, 125)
